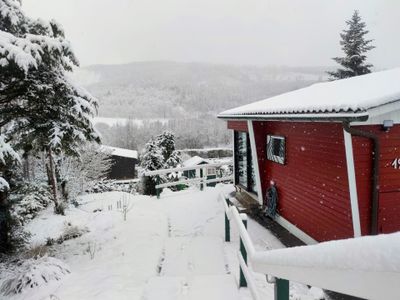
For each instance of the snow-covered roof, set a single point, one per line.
(194, 161)
(121, 151)
(351, 97)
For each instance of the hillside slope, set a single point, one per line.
(175, 90)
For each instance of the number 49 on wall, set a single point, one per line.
(396, 163)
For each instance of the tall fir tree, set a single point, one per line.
(355, 46)
(40, 108)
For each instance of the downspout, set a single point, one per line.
(375, 172)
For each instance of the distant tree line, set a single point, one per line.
(193, 133)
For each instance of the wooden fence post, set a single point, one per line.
(243, 252)
(201, 182)
(157, 189)
(281, 289)
(227, 224)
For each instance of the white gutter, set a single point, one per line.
(351, 174)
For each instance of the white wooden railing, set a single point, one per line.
(366, 267)
(202, 180)
(181, 169)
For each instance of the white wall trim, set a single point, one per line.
(300, 234)
(351, 174)
(255, 160)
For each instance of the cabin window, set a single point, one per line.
(276, 149)
(211, 171)
(244, 168)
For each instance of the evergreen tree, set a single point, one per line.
(40, 108)
(166, 142)
(159, 154)
(151, 160)
(354, 45)
(173, 160)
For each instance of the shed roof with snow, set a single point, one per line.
(194, 161)
(351, 98)
(121, 152)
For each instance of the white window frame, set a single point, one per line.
(276, 158)
(211, 171)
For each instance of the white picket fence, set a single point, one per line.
(201, 180)
(366, 267)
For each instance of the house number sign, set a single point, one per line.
(396, 163)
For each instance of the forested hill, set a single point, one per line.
(180, 90)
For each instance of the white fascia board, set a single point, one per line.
(255, 161)
(297, 232)
(351, 174)
(390, 111)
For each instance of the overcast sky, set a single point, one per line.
(258, 32)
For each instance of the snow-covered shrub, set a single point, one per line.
(33, 273)
(102, 186)
(226, 171)
(36, 251)
(28, 200)
(91, 249)
(82, 173)
(71, 232)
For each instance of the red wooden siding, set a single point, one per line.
(313, 184)
(389, 211)
(389, 178)
(238, 125)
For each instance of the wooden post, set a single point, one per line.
(201, 182)
(227, 224)
(243, 252)
(157, 189)
(281, 289)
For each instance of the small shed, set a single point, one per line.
(192, 162)
(331, 150)
(124, 163)
(210, 172)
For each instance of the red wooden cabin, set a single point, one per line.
(333, 152)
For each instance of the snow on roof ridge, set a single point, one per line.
(351, 95)
(193, 161)
(121, 151)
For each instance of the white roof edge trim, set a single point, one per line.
(319, 116)
(385, 108)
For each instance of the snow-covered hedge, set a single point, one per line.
(28, 200)
(102, 186)
(33, 273)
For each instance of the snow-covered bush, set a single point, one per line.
(33, 273)
(102, 186)
(28, 200)
(71, 232)
(159, 154)
(82, 173)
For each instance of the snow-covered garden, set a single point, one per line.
(171, 248)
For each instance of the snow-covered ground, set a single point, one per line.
(171, 248)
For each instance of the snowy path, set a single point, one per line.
(194, 265)
(171, 248)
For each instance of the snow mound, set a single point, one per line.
(34, 273)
